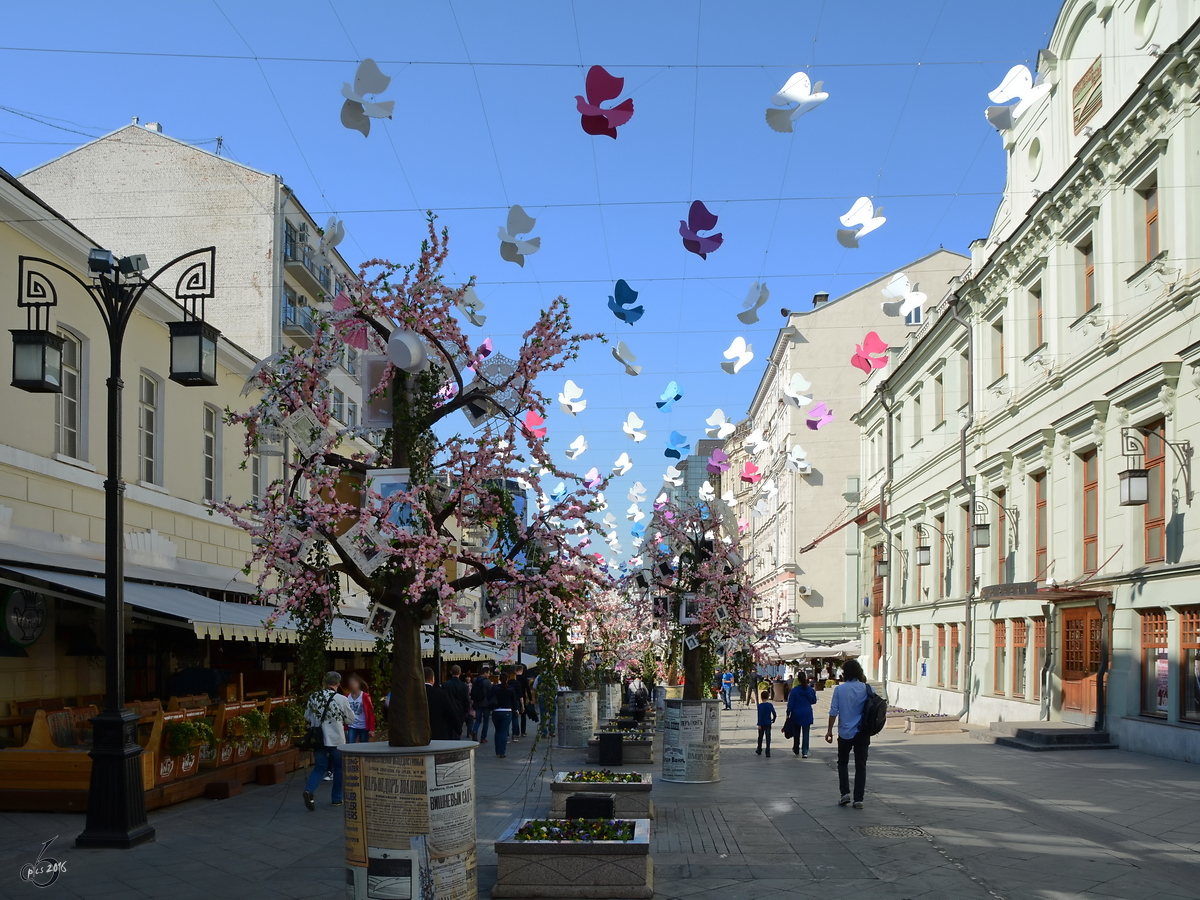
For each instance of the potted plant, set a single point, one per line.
(631, 790)
(287, 723)
(255, 729)
(575, 858)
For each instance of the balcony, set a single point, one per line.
(301, 262)
(298, 324)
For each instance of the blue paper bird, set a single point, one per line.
(668, 397)
(638, 530)
(625, 296)
(677, 446)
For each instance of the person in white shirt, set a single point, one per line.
(329, 711)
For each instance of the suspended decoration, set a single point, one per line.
(1017, 85)
(622, 465)
(700, 219)
(631, 427)
(470, 305)
(796, 391)
(739, 355)
(797, 461)
(578, 446)
(637, 493)
(902, 298)
(669, 397)
(592, 479)
(677, 446)
(750, 473)
(719, 427)
(800, 91)
(535, 424)
(870, 354)
(600, 88)
(673, 476)
(865, 216)
(819, 416)
(334, 233)
(512, 248)
(718, 462)
(569, 400)
(756, 443)
(621, 303)
(755, 298)
(358, 111)
(622, 354)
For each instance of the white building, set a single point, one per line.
(1072, 341)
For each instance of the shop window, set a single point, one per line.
(1019, 657)
(1155, 663)
(1189, 662)
(1090, 511)
(941, 655)
(1155, 508)
(1039, 654)
(1000, 656)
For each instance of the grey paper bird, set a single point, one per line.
(512, 248)
(622, 354)
(358, 111)
(755, 298)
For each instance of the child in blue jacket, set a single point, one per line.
(800, 711)
(766, 718)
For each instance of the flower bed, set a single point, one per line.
(598, 776)
(538, 864)
(630, 790)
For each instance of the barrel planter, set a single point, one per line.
(410, 820)
(692, 741)
(633, 797)
(574, 868)
(577, 718)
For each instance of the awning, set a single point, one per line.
(208, 618)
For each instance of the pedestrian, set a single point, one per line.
(638, 694)
(503, 702)
(443, 721)
(766, 718)
(362, 729)
(523, 688)
(727, 688)
(846, 708)
(460, 697)
(800, 711)
(330, 712)
(480, 688)
(748, 692)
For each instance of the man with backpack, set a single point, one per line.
(859, 713)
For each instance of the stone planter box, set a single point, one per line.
(897, 720)
(933, 725)
(632, 752)
(575, 868)
(633, 798)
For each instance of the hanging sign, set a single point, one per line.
(24, 616)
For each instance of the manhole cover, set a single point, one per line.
(888, 831)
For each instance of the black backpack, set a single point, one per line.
(874, 714)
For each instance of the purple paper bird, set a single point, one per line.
(700, 219)
(594, 118)
(718, 462)
(819, 416)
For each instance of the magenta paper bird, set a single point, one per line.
(700, 219)
(355, 333)
(819, 416)
(535, 424)
(870, 354)
(718, 462)
(595, 119)
(750, 473)
(592, 479)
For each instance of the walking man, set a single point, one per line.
(331, 712)
(727, 688)
(480, 688)
(460, 696)
(522, 687)
(846, 709)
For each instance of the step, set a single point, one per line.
(1053, 733)
(1018, 743)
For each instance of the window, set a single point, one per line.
(908, 654)
(256, 475)
(67, 410)
(1155, 508)
(998, 631)
(899, 655)
(1040, 552)
(1090, 511)
(1155, 663)
(1019, 634)
(955, 656)
(148, 430)
(920, 570)
(915, 648)
(939, 584)
(1001, 539)
(963, 369)
(1189, 662)
(913, 317)
(998, 349)
(1150, 201)
(352, 360)
(916, 418)
(210, 453)
(1039, 654)
(351, 414)
(339, 405)
(1036, 335)
(1087, 275)
(941, 655)
(939, 400)
(898, 433)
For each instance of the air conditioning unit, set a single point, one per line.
(301, 300)
(804, 590)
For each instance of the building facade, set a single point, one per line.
(1008, 580)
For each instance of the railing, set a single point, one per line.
(298, 317)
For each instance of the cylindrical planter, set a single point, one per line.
(692, 741)
(577, 718)
(410, 820)
(608, 701)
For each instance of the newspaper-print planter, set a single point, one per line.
(692, 741)
(574, 868)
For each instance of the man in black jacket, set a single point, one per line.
(522, 688)
(456, 689)
(480, 688)
(443, 726)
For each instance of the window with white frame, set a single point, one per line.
(1033, 297)
(351, 414)
(211, 422)
(917, 421)
(148, 430)
(339, 405)
(68, 405)
(256, 475)
(1086, 274)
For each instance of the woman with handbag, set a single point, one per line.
(800, 714)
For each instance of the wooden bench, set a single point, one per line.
(189, 701)
(55, 757)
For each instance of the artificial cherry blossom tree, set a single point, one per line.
(456, 522)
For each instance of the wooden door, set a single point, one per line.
(878, 636)
(1081, 662)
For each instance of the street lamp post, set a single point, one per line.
(116, 810)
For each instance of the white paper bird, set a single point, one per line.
(470, 305)
(755, 298)
(577, 447)
(661, 499)
(622, 465)
(634, 513)
(673, 476)
(631, 426)
(756, 443)
(570, 400)
(1020, 85)
(739, 353)
(259, 367)
(728, 499)
(762, 509)
(797, 461)
(610, 520)
(796, 392)
(637, 493)
(622, 354)
(902, 298)
(706, 493)
(601, 503)
(769, 489)
(864, 214)
(512, 248)
(719, 427)
(358, 111)
(335, 231)
(800, 91)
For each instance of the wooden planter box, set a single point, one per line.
(933, 725)
(189, 763)
(257, 746)
(632, 752)
(166, 768)
(241, 750)
(575, 868)
(633, 798)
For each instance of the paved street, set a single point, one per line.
(994, 822)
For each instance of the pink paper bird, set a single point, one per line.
(718, 462)
(819, 416)
(535, 424)
(592, 479)
(743, 526)
(870, 354)
(750, 473)
(595, 119)
(700, 219)
(355, 332)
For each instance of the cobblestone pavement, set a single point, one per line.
(945, 817)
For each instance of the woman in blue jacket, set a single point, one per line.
(800, 711)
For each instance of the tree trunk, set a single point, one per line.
(692, 675)
(575, 679)
(408, 715)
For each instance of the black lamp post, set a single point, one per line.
(116, 812)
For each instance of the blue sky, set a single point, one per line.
(486, 118)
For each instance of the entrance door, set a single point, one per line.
(877, 635)
(1081, 663)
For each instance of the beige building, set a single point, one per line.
(1067, 356)
(787, 510)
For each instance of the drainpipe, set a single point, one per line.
(968, 485)
(1048, 665)
(884, 492)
